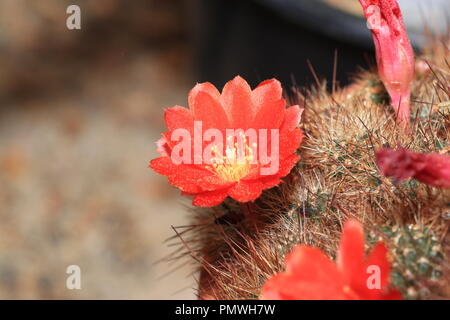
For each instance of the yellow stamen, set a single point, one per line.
(236, 163)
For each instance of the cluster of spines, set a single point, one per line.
(417, 258)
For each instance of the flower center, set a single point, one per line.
(237, 161)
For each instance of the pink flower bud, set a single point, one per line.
(402, 164)
(395, 56)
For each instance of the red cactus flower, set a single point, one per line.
(311, 275)
(402, 164)
(214, 158)
(395, 56)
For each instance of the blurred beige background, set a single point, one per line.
(79, 114)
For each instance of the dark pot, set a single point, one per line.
(260, 39)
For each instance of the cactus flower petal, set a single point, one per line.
(311, 275)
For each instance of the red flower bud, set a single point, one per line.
(395, 56)
(402, 164)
